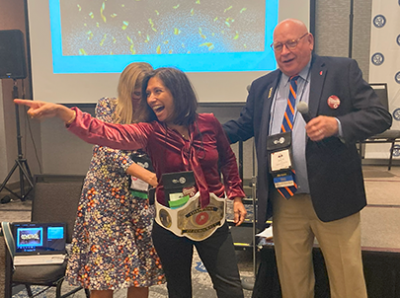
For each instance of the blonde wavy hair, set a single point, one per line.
(131, 78)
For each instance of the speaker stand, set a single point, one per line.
(20, 163)
(248, 282)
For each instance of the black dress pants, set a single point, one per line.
(216, 252)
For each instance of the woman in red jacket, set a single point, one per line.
(177, 139)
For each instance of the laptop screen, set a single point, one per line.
(39, 238)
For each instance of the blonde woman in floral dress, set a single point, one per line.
(112, 246)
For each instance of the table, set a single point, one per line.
(381, 269)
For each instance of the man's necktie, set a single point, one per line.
(287, 125)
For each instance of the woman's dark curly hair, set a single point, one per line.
(184, 98)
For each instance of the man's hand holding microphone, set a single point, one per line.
(320, 127)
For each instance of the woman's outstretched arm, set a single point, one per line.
(41, 110)
(90, 129)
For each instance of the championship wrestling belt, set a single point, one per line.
(190, 220)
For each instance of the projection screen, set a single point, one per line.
(79, 47)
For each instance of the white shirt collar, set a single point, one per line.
(303, 74)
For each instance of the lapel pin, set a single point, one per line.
(270, 93)
(333, 102)
(320, 73)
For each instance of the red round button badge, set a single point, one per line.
(333, 102)
(201, 218)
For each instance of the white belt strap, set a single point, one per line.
(190, 220)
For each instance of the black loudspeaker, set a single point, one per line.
(12, 55)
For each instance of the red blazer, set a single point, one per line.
(170, 152)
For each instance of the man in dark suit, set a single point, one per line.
(326, 189)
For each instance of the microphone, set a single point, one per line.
(302, 107)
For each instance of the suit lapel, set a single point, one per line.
(318, 74)
(268, 96)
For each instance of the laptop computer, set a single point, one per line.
(39, 243)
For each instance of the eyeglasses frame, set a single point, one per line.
(296, 41)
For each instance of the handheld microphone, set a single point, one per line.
(302, 107)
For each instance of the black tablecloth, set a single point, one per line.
(381, 269)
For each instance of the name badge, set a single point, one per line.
(280, 160)
(279, 148)
(284, 181)
(138, 184)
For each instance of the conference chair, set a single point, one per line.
(389, 136)
(3, 272)
(55, 199)
(5, 266)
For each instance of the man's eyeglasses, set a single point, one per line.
(290, 44)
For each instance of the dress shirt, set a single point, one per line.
(299, 136)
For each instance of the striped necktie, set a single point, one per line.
(287, 125)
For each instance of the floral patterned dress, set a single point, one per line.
(112, 246)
